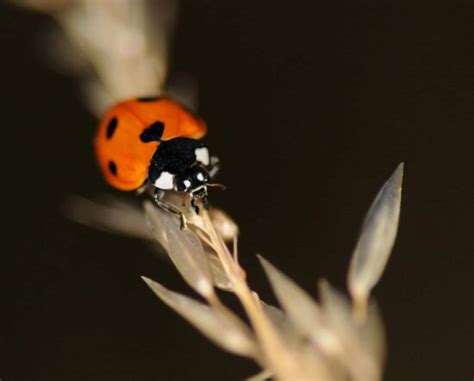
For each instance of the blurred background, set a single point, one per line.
(310, 106)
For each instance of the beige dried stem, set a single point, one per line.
(306, 340)
(124, 44)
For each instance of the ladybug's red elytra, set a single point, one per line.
(157, 142)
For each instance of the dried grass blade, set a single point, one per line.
(301, 309)
(221, 280)
(225, 332)
(375, 242)
(359, 359)
(224, 225)
(114, 215)
(372, 334)
(183, 247)
(261, 376)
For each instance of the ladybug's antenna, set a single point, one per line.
(216, 185)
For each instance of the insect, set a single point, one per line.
(155, 143)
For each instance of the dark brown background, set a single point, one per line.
(311, 105)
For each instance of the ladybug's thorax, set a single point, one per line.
(180, 164)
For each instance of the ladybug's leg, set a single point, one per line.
(214, 166)
(193, 204)
(205, 203)
(168, 207)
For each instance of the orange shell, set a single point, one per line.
(121, 150)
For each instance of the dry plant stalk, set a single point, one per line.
(335, 339)
(118, 48)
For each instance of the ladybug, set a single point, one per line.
(156, 143)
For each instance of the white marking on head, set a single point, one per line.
(202, 155)
(165, 181)
(187, 183)
(200, 176)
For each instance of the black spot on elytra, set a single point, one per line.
(148, 99)
(113, 167)
(111, 127)
(153, 133)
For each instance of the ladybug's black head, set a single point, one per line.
(193, 180)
